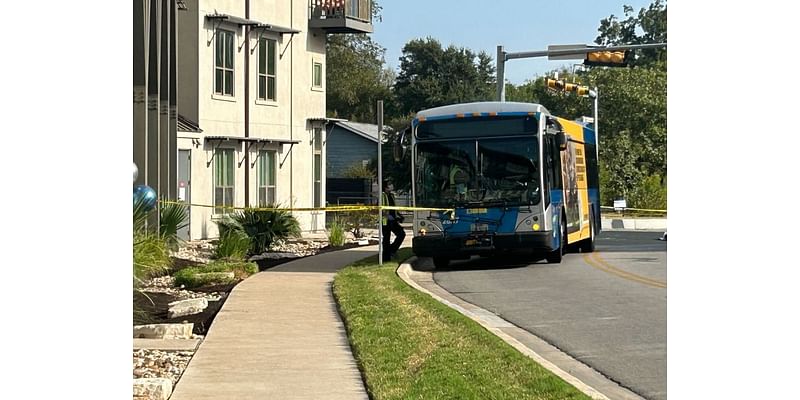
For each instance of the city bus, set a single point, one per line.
(502, 178)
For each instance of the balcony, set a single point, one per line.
(341, 16)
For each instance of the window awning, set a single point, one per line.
(250, 139)
(249, 22)
(325, 120)
(276, 28)
(187, 125)
(233, 19)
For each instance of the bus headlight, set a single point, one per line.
(536, 227)
(422, 232)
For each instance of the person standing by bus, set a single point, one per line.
(390, 222)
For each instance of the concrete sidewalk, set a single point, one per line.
(279, 336)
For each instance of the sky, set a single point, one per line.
(518, 25)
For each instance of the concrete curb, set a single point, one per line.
(574, 372)
(609, 223)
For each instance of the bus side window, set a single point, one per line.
(555, 153)
(548, 168)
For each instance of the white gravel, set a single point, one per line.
(171, 364)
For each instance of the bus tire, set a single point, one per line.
(587, 245)
(555, 256)
(441, 262)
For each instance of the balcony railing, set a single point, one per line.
(341, 16)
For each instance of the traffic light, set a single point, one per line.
(555, 85)
(567, 87)
(607, 59)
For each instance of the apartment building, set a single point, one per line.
(251, 104)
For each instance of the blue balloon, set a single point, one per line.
(146, 195)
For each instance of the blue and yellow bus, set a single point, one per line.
(505, 176)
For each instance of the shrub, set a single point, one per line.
(649, 194)
(263, 227)
(214, 273)
(150, 256)
(354, 221)
(336, 235)
(233, 244)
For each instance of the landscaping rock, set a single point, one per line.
(218, 277)
(152, 389)
(187, 307)
(163, 331)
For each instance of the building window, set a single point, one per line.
(317, 167)
(223, 180)
(317, 72)
(266, 178)
(267, 63)
(223, 63)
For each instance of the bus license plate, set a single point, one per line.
(478, 242)
(479, 227)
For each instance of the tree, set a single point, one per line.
(356, 77)
(651, 22)
(432, 76)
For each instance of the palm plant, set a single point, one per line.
(174, 217)
(263, 227)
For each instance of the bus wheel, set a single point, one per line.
(555, 256)
(587, 245)
(441, 262)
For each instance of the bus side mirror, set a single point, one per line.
(399, 150)
(561, 140)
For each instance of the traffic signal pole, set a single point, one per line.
(575, 52)
(595, 94)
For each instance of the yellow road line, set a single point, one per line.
(594, 260)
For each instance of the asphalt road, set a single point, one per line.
(607, 309)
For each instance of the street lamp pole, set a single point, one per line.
(380, 183)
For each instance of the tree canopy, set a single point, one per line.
(356, 77)
(432, 76)
(648, 26)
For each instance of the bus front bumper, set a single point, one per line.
(453, 246)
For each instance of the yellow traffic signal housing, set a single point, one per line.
(607, 59)
(567, 87)
(555, 85)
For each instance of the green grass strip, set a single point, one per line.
(410, 346)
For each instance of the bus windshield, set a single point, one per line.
(478, 172)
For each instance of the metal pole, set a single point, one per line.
(380, 183)
(501, 74)
(596, 126)
(580, 51)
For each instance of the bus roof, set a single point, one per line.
(481, 107)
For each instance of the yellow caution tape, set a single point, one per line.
(345, 208)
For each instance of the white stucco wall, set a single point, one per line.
(286, 118)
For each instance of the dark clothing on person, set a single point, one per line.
(391, 224)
